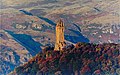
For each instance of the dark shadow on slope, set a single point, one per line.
(47, 20)
(75, 32)
(75, 39)
(77, 27)
(26, 40)
(16, 57)
(11, 66)
(40, 17)
(26, 12)
(78, 38)
(97, 9)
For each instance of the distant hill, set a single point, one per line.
(12, 53)
(97, 19)
(79, 59)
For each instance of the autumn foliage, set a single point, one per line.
(79, 59)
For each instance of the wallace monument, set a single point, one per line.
(60, 41)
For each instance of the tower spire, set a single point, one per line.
(60, 23)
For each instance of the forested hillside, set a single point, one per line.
(79, 59)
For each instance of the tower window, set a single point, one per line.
(62, 30)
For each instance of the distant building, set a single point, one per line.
(60, 41)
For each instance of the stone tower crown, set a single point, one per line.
(60, 23)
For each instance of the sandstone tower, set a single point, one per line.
(60, 42)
